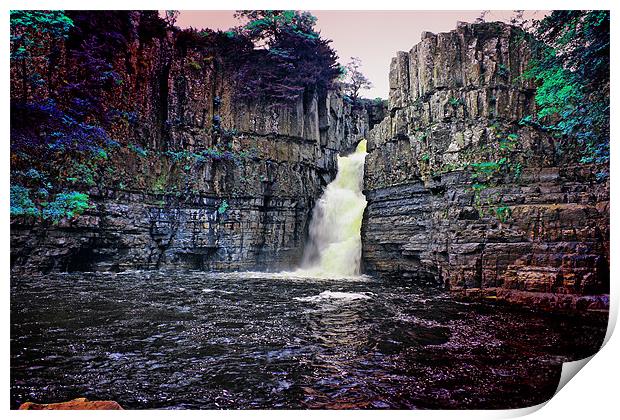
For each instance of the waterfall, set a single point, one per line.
(334, 246)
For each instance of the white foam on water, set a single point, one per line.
(216, 291)
(335, 296)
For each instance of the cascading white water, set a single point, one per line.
(334, 248)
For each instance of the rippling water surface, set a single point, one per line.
(251, 340)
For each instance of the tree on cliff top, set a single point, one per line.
(268, 27)
(354, 79)
(292, 56)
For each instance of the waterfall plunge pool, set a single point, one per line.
(175, 340)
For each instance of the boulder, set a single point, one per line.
(75, 404)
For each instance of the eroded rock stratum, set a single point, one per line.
(462, 194)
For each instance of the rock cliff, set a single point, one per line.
(171, 198)
(464, 196)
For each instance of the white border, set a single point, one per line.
(592, 395)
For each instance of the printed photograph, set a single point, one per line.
(306, 209)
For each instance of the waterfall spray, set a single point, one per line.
(334, 247)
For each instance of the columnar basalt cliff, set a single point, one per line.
(157, 205)
(463, 196)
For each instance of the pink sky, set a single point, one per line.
(373, 36)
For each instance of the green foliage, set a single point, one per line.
(288, 56)
(138, 150)
(194, 65)
(494, 126)
(571, 68)
(479, 187)
(426, 158)
(558, 92)
(267, 25)
(450, 167)
(507, 145)
(62, 75)
(502, 70)
(101, 154)
(455, 102)
(223, 207)
(81, 173)
(502, 213)
(488, 168)
(602, 176)
(178, 156)
(160, 184)
(31, 31)
(21, 203)
(517, 169)
(65, 205)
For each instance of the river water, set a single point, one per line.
(249, 340)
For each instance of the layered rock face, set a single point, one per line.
(157, 206)
(461, 195)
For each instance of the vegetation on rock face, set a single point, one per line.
(66, 130)
(222, 207)
(62, 121)
(571, 66)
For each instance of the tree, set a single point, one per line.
(482, 17)
(355, 81)
(269, 27)
(290, 56)
(170, 17)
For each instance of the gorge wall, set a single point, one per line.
(462, 194)
(170, 199)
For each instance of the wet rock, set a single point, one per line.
(76, 404)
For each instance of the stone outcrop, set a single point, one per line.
(75, 404)
(461, 195)
(245, 206)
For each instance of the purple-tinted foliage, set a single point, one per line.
(294, 62)
(55, 129)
